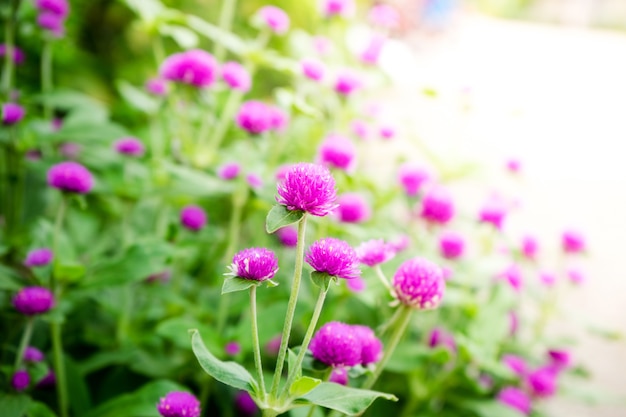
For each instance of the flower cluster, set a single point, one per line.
(195, 67)
(256, 117)
(52, 15)
(179, 404)
(419, 283)
(338, 344)
(70, 177)
(309, 188)
(258, 264)
(334, 257)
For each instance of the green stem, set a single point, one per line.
(28, 331)
(255, 342)
(311, 411)
(226, 118)
(46, 77)
(226, 18)
(381, 276)
(58, 227)
(59, 368)
(268, 412)
(123, 324)
(291, 308)
(9, 40)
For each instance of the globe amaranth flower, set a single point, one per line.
(412, 177)
(372, 51)
(229, 171)
(52, 15)
(530, 247)
(308, 187)
(273, 345)
(437, 206)
(360, 129)
(384, 16)
(313, 69)
(70, 176)
(193, 217)
(513, 275)
(347, 82)
(451, 245)
(49, 380)
(343, 8)
(195, 67)
(275, 18)
(336, 344)
(32, 354)
(371, 346)
(334, 257)
(254, 181)
(20, 380)
(439, 337)
(129, 146)
(12, 113)
(339, 376)
(493, 211)
(515, 398)
(60, 8)
(258, 264)
(255, 117)
(338, 152)
(515, 363)
(322, 45)
(514, 165)
(387, 131)
(232, 348)
(245, 404)
(156, 86)
(560, 359)
(419, 283)
(38, 257)
(400, 243)
(353, 208)
(236, 76)
(179, 404)
(543, 381)
(357, 284)
(374, 252)
(575, 275)
(18, 54)
(278, 119)
(33, 300)
(573, 241)
(52, 23)
(288, 236)
(547, 278)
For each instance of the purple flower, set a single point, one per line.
(400, 243)
(38, 257)
(18, 54)
(419, 284)
(60, 8)
(278, 118)
(437, 206)
(547, 278)
(356, 284)
(254, 181)
(32, 354)
(513, 323)
(229, 171)
(195, 67)
(515, 398)
(232, 348)
(179, 404)
(258, 264)
(515, 363)
(543, 381)
(353, 208)
(288, 236)
(70, 150)
(339, 376)
(560, 359)
(313, 69)
(530, 247)
(129, 146)
(494, 212)
(344, 8)
(374, 252)
(33, 300)
(514, 165)
(236, 76)
(412, 177)
(387, 131)
(334, 257)
(20, 380)
(322, 45)
(513, 275)
(52, 23)
(193, 217)
(49, 380)
(70, 176)
(360, 129)
(439, 337)
(338, 152)
(336, 344)
(573, 241)
(255, 117)
(273, 345)
(245, 404)
(370, 56)
(347, 82)
(383, 15)
(371, 346)
(156, 86)
(576, 276)
(12, 113)
(451, 245)
(275, 18)
(308, 187)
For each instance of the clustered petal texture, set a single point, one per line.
(179, 404)
(12, 113)
(52, 15)
(419, 284)
(374, 252)
(229, 171)
(308, 187)
(515, 398)
(412, 177)
(32, 354)
(257, 264)
(334, 257)
(353, 208)
(236, 76)
(255, 117)
(70, 176)
(193, 217)
(38, 257)
(33, 300)
(129, 146)
(338, 152)
(336, 344)
(371, 346)
(275, 18)
(437, 206)
(195, 67)
(451, 245)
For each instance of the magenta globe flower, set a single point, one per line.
(193, 217)
(371, 346)
(339, 376)
(387, 131)
(353, 208)
(60, 8)
(573, 241)
(179, 404)
(254, 181)
(334, 257)
(12, 113)
(33, 355)
(356, 284)
(255, 117)
(232, 348)
(52, 23)
(245, 404)
(156, 86)
(360, 129)
(543, 381)
(560, 359)
(343, 8)
(20, 380)
(575, 275)
(515, 398)
(494, 211)
(374, 252)
(288, 236)
(336, 344)
(451, 245)
(258, 264)
(308, 187)
(129, 146)
(419, 283)
(70, 177)
(313, 69)
(513, 275)
(236, 76)
(439, 337)
(371, 54)
(437, 206)
(530, 247)
(412, 177)
(278, 119)
(384, 16)
(38, 257)
(195, 67)
(347, 82)
(49, 380)
(229, 171)
(18, 54)
(515, 363)
(338, 152)
(275, 18)
(33, 300)
(514, 165)
(547, 278)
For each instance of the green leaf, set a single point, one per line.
(229, 373)
(69, 272)
(38, 409)
(14, 405)
(8, 279)
(322, 279)
(303, 385)
(279, 217)
(490, 408)
(136, 97)
(77, 386)
(230, 41)
(233, 284)
(185, 38)
(291, 361)
(347, 400)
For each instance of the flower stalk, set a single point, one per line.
(255, 343)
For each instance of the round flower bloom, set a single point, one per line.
(383, 15)
(33, 300)
(179, 404)
(313, 69)
(255, 117)
(254, 181)
(347, 82)
(288, 236)
(156, 86)
(412, 177)
(18, 54)
(513, 275)
(576, 276)
(514, 165)
(344, 8)
(515, 398)
(70, 176)
(52, 23)
(32, 354)
(334, 257)
(573, 241)
(360, 129)
(60, 8)
(356, 284)
(232, 348)
(278, 118)
(338, 152)
(12, 113)
(515, 363)
(195, 67)
(258, 264)
(70, 150)
(371, 346)
(353, 208)
(336, 344)
(439, 337)
(49, 380)
(193, 217)
(494, 211)
(308, 187)
(387, 131)
(437, 206)
(543, 381)
(451, 245)
(20, 380)
(419, 283)
(371, 53)
(530, 246)
(275, 18)
(229, 171)
(245, 404)
(236, 76)
(560, 359)
(547, 278)
(374, 252)
(38, 257)
(129, 146)
(339, 376)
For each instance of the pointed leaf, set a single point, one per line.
(279, 217)
(303, 385)
(229, 373)
(347, 400)
(14, 405)
(233, 284)
(322, 279)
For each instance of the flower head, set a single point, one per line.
(559, 358)
(347, 82)
(179, 404)
(514, 165)
(60, 8)
(371, 53)
(12, 113)
(258, 264)
(129, 146)
(360, 129)
(383, 15)
(343, 8)
(547, 278)
(32, 354)
(515, 398)
(313, 69)
(33, 300)
(275, 18)
(20, 380)
(494, 211)
(437, 206)
(334, 257)
(371, 346)
(232, 348)
(357, 284)
(195, 67)
(52, 23)
(193, 217)
(338, 152)
(255, 117)
(515, 363)
(288, 236)
(308, 187)
(70, 176)
(229, 171)
(387, 131)
(451, 245)
(156, 86)
(412, 177)
(49, 380)
(543, 381)
(245, 404)
(236, 76)
(336, 344)
(419, 284)
(38, 257)
(278, 119)
(513, 275)
(575, 275)
(353, 208)
(18, 54)
(573, 241)
(439, 337)
(374, 252)
(339, 376)
(530, 247)
(254, 181)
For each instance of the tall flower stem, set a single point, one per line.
(46, 77)
(383, 279)
(9, 40)
(58, 228)
(225, 119)
(28, 331)
(291, 308)
(226, 18)
(255, 342)
(59, 368)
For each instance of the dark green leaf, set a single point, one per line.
(322, 279)
(38, 409)
(303, 385)
(14, 405)
(234, 284)
(347, 400)
(80, 401)
(279, 217)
